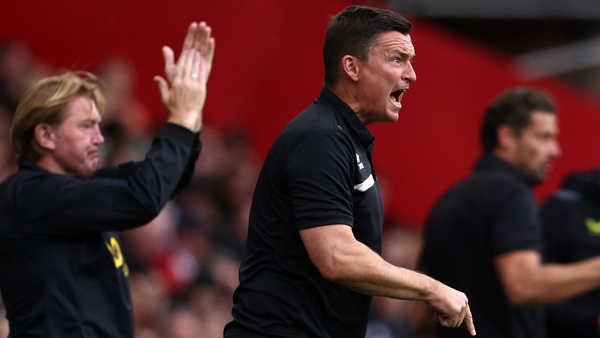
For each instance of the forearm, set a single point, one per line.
(130, 197)
(556, 282)
(364, 271)
(527, 281)
(188, 173)
(342, 259)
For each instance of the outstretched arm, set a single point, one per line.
(188, 78)
(340, 258)
(527, 281)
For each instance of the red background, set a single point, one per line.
(268, 68)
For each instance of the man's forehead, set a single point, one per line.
(408, 45)
(397, 41)
(540, 116)
(541, 120)
(83, 107)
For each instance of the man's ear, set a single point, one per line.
(507, 137)
(350, 66)
(44, 135)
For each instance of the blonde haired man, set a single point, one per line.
(62, 273)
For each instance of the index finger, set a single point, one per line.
(469, 322)
(188, 43)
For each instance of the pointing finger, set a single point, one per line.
(469, 322)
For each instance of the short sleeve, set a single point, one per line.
(320, 177)
(516, 225)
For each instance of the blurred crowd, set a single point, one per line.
(183, 266)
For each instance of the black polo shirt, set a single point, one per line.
(492, 212)
(571, 222)
(318, 172)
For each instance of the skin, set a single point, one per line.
(536, 147)
(525, 279)
(367, 87)
(71, 148)
(374, 88)
(73, 145)
(185, 99)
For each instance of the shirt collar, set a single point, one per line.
(492, 163)
(25, 164)
(331, 99)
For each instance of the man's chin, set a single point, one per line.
(89, 170)
(393, 116)
(536, 178)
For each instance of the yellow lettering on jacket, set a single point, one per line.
(115, 251)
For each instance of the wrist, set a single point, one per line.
(188, 121)
(428, 289)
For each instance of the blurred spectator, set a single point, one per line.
(236, 190)
(156, 248)
(571, 223)
(19, 69)
(389, 317)
(212, 305)
(184, 323)
(126, 121)
(212, 165)
(3, 322)
(8, 158)
(150, 304)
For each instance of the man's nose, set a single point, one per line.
(409, 74)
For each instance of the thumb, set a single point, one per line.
(162, 87)
(168, 54)
(442, 319)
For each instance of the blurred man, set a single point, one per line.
(484, 235)
(571, 223)
(312, 258)
(62, 272)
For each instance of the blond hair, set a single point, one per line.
(46, 102)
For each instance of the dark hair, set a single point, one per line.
(514, 108)
(354, 31)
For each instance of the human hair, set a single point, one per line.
(514, 108)
(46, 102)
(354, 31)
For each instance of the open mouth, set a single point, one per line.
(396, 96)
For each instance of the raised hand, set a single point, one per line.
(188, 78)
(198, 38)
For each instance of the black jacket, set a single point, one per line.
(62, 272)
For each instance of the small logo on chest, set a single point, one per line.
(360, 165)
